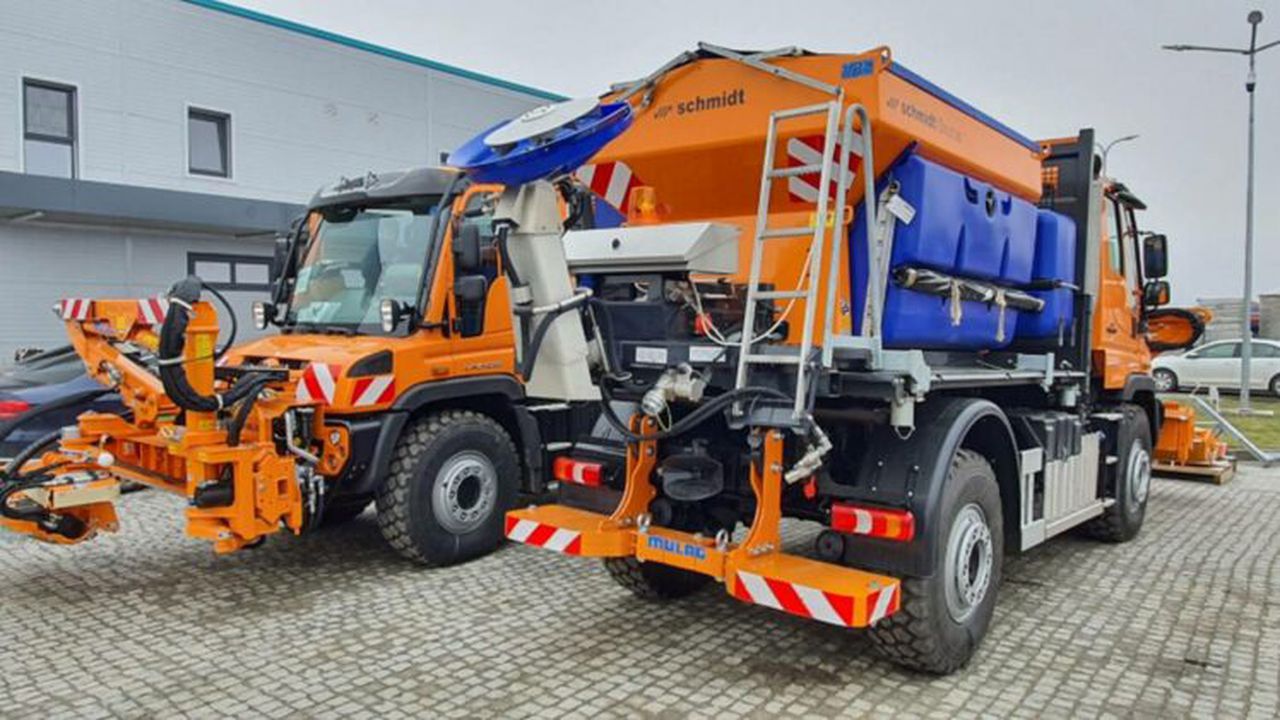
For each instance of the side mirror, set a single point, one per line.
(466, 249)
(280, 258)
(1155, 256)
(470, 289)
(1155, 293)
(391, 312)
(470, 292)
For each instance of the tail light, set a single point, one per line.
(578, 472)
(10, 409)
(873, 522)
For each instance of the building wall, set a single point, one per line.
(46, 263)
(304, 110)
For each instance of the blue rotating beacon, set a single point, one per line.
(543, 143)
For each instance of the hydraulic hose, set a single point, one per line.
(182, 298)
(690, 421)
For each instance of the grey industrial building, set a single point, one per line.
(143, 139)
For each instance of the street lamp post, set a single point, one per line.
(1251, 82)
(1107, 148)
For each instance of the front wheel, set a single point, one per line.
(1166, 380)
(1274, 386)
(943, 618)
(1123, 519)
(454, 475)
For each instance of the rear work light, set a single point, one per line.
(873, 522)
(10, 409)
(578, 472)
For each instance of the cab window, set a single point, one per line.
(1115, 235)
(475, 261)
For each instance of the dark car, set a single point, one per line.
(40, 379)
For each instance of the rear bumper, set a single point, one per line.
(801, 586)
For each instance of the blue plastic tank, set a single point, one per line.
(962, 227)
(1055, 262)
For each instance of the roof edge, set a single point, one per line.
(297, 27)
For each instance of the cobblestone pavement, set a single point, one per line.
(1183, 621)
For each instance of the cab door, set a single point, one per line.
(1120, 348)
(479, 314)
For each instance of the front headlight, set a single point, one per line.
(389, 310)
(260, 315)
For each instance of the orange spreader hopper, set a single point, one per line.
(698, 134)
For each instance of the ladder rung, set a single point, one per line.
(794, 171)
(773, 233)
(780, 294)
(801, 111)
(774, 359)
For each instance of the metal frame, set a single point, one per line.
(223, 120)
(72, 141)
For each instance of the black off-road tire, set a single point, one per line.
(923, 635)
(1122, 521)
(406, 500)
(654, 581)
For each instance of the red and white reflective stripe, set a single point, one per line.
(612, 181)
(809, 602)
(883, 603)
(546, 536)
(873, 522)
(76, 308)
(373, 390)
(808, 151)
(151, 311)
(566, 469)
(318, 383)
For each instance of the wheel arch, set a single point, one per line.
(1140, 390)
(500, 397)
(912, 471)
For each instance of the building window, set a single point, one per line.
(231, 272)
(208, 143)
(49, 128)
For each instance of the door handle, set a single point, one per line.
(1113, 328)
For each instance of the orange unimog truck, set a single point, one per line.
(844, 296)
(392, 381)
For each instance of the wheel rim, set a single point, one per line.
(465, 492)
(970, 557)
(1139, 472)
(1164, 381)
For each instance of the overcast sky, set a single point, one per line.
(1044, 68)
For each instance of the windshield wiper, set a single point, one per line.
(321, 328)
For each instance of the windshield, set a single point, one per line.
(357, 258)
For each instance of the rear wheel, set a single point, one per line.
(943, 618)
(1274, 386)
(1166, 380)
(653, 581)
(1123, 519)
(454, 475)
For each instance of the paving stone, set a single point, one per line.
(1182, 622)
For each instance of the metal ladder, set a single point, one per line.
(807, 289)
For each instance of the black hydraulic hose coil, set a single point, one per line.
(182, 298)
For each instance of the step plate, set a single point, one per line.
(570, 531)
(815, 590)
